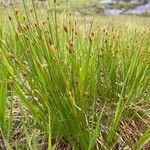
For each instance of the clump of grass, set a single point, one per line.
(82, 87)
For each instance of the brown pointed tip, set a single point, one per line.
(10, 18)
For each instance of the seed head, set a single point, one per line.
(36, 25)
(53, 49)
(46, 31)
(10, 18)
(69, 47)
(50, 41)
(76, 82)
(16, 12)
(27, 27)
(23, 27)
(104, 30)
(17, 35)
(65, 29)
(125, 98)
(31, 10)
(90, 38)
(24, 18)
(27, 38)
(24, 74)
(43, 23)
(92, 33)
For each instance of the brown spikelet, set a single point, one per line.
(24, 18)
(46, 31)
(106, 41)
(10, 18)
(91, 54)
(92, 34)
(17, 35)
(113, 29)
(90, 38)
(27, 38)
(24, 74)
(43, 23)
(104, 30)
(145, 31)
(65, 28)
(100, 54)
(75, 33)
(23, 27)
(125, 98)
(16, 12)
(73, 29)
(50, 41)
(31, 10)
(69, 47)
(36, 24)
(76, 82)
(53, 49)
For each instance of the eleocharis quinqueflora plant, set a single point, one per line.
(79, 85)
